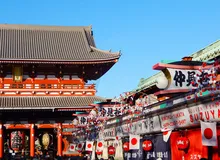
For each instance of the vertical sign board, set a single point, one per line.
(17, 73)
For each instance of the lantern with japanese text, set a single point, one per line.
(17, 140)
(111, 150)
(147, 145)
(182, 143)
(126, 146)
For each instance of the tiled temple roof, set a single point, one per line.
(50, 43)
(24, 102)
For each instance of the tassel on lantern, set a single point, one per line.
(105, 150)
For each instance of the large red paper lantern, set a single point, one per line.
(126, 146)
(17, 140)
(111, 150)
(182, 143)
(147, 145)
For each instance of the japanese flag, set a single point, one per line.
(166, 134)
(89, 145)
(134, 141)
(80, 146)
(209, 134)
(72, 147)
(99, 146)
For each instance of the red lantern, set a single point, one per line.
(98, 152)
(111, 150)
(17, 140)
(147, 145)
(182, 143)
(126, 146)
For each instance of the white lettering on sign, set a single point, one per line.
(205, 112)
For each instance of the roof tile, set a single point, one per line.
(20, 42)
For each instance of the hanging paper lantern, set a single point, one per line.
(126, 146)
(17, 140)
(182, 143)
(111, 150)
(75, 122)
(147, 145)
(98, 152)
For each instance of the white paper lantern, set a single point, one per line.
(162, 82)
(93, 113)
(75, 122)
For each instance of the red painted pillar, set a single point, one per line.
(1, 142)
(32, 141)
(59, 139)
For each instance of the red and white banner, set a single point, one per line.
(134, 142)
(209, 134)
(166, 134)
(72, 147)
(80, 146)
(100, 146)
(89, 145)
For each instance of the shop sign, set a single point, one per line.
(110, 112)
(175, 119)
(109, 133)
(205, 112)
(148, 125)
(182, 79)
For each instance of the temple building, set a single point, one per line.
(44, 75)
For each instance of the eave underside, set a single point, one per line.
(54, 103)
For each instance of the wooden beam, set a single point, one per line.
(17, 126)
(40, 126)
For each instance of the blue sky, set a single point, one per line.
(146, 31)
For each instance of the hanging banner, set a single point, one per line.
(134, 154)
(196, 150)
(205, 112)
(160, 150)
(175, 119)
